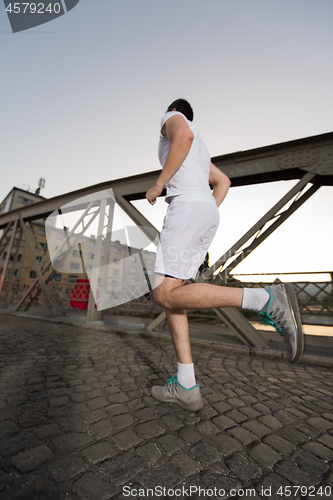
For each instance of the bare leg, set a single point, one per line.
(175, 298)
(178, 325)
(196, 295)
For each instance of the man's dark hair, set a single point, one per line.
(183, 107)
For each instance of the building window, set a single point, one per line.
(57, 277)
(115, 272)
(91, 255)
(24, 201)
(4, 255)
(19, 257)
(133, 258)
(33, 274)
(15, 272)
(72, 278)
(92, 244)
(42, 245)
(22, 243)
(132, 269)
(41, 231)
(75, 265)
(60, 236)
(89, 268)
(76, 253)
(116, 261)
(38, 258)
(117, 250)
(114, 282)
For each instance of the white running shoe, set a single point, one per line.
(174, 392)
(282, 312)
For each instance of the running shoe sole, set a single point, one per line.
(294, 308)
(190, 407)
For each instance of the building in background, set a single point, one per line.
(125, 263)
(18, 198)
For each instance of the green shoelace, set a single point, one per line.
(267, 320)
(171, 380)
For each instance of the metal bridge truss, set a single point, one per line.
(309, 160)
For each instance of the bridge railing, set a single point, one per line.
(315, 297)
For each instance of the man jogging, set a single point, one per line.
(189, 227)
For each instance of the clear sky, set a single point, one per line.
(82, 98)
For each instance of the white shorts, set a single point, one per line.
(188, 229)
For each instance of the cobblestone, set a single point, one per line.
(31, 459)
(171, 443)
(185, 465)
(257, 428)
(244, 436)
(78, 420)
(205, 453)
(126, 439)
(67, 467)
(90, 487)
(99, 452)
(243, 467)
(264, 455)
(149, 452)
(189, 434)
(71, 441)
(122, 468)
(279, 444)
(309, 463)
(295, 474)
(223, 422)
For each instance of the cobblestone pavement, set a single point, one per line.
(77, 421)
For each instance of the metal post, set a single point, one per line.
(38, 270)
(107, 249)
(92, 313)
(12, 274)
(4, 238)
(9, 251)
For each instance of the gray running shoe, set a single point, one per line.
(174, 392)
(282, 312)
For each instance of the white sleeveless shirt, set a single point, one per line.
(193, 175)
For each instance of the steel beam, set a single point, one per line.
(262, 236)
(107, 251)
(7, 259)
(92, 313)
(38, 269)
(288, 160)
(258, 226)
(12, 274)
(138, 218)
(5, 238)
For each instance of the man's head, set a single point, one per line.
(183, 107)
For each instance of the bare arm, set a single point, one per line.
(220, 183)
(181, 138)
